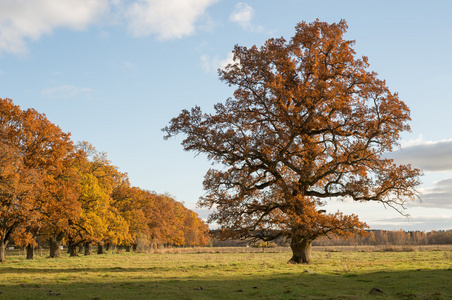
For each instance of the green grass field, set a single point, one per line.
(232, 275)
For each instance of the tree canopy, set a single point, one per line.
(56, 192)
(307, 122)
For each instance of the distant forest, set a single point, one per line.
(374, 238)
(391, 237)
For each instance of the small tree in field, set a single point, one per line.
(307, 123)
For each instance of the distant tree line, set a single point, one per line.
(373, 238)
(391, 237)
(55, 192)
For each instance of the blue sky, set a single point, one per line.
(114, 72)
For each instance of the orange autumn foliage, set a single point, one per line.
(160, 220)
(52, 191)
(307, 122)
(42, 149)
(16, 195)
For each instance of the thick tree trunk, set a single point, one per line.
(72, 249)
(55, 243)
(30, 251)
(3, 251)
(54, 248)
(100, 249)
(127, 248)
(301, 249)
(87, 249)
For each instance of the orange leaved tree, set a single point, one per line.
(16, 195)
(46, 148)
(307, 123)
(41, 196)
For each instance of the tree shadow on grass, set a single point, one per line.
(422, 284)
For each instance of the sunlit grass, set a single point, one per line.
(332, 275)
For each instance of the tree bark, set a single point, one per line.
(87, 249)
(54, 248)
(100, 249)
(30, 251)
(127, 248)
(301, 249)
(55, 243)
(3, 251)
(72, 249)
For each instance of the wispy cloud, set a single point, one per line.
(210, 64)
(167, 19)
(428, 156)
(66, 92)
(30, 19)
(439, 195)
(243, 15)
(25, 20)
(429, 222)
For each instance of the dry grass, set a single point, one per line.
(191, 250)
(379, 248)
(383, 248)
(222, 250)
(232, 273)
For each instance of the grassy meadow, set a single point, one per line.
(232, 274)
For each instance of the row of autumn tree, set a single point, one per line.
(61, 193)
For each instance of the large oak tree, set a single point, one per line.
(46, 148)
(308, 122)
(16, 196)
(43, 191)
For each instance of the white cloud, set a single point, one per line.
(213, 64)
(66, 91)
(424, 222)
(413, 142)
(243, 15)
(428, 156)
(167, 19)
(433, 157)
(30, 19)
(440, 195)
(24, 20)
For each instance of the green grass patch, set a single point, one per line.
(332, 275)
